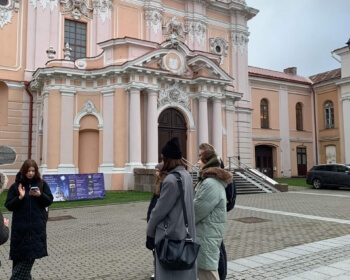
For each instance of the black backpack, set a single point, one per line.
(231, 195)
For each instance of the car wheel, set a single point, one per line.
(317, 183)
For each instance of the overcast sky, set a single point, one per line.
(300, 33)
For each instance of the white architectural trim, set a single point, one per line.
(88, 109)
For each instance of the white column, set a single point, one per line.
(229, 128)
(284, 131)
(108, 132)
(346, 116)
(152, 130)
(217, 126)
(134, 129)
(203, 120)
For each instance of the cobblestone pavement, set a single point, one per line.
(302, 234)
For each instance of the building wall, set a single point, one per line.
(53, 103)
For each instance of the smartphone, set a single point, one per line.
(34, 188)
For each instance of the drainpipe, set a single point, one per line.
(30, 125)
(315, 123)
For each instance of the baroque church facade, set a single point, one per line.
(100, 86)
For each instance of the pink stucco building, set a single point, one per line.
(100, 86)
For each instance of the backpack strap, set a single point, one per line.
(182, 197)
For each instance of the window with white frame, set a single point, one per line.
(75, 36)
(329, 114)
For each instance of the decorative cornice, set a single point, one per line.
(174, 26)
(154, 20)
(240, 40)
(44, 3)
(103, 8)
(6, 12)
(78, 8)
(197, 31)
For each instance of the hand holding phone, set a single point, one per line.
(35, 191)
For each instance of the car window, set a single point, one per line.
(319, 168)
(329, 168)
(341, 168)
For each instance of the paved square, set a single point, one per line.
(306, 235)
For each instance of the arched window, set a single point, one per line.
(299, 116)
(264, 113)
(3, 2)
(329, 114)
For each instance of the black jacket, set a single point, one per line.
(28, 230)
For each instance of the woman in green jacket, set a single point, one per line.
(210, 211)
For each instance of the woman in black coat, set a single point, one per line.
(27, 199)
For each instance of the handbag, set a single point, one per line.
(177, 254)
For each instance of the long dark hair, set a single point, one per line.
(170, 164)
(25, 167)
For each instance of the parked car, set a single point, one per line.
(331, 175)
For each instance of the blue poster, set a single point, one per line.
(76, 186)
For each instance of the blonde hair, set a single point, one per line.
(206, 147)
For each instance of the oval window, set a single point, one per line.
(4, 2)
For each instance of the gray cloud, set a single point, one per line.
(300, 33)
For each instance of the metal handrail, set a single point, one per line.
(190, 165)
(250, 170)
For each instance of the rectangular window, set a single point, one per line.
(75, 36)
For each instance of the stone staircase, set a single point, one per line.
(246, 183)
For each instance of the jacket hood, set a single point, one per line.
(217, 173)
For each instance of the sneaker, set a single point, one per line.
(152, 277)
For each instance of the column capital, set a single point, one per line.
(152, 91)
(108, 92)
(68, 92)
(345, 97)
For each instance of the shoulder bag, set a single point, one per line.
(177, 254)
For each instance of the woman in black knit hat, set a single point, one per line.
(169, 205)
(160, 175)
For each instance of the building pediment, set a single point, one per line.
(169, 60)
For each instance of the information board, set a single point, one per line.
(76, 186)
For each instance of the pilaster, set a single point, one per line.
(108, 131)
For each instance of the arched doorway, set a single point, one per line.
(263, 160)
(172, 123)
(88, 150)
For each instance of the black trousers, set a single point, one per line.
(222, 269)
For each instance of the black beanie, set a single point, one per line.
(172, 149)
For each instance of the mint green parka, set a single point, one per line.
(210, 215)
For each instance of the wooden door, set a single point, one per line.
(171, 124)
(301, 161)
(263, 160)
